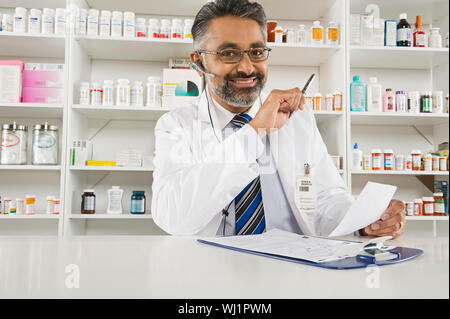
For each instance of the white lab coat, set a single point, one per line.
(191, 186)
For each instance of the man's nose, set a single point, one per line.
(245, 65)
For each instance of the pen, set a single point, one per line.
(308, 83)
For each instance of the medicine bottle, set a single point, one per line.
(316, 33)
(57, 206)
(20, 206)
(129, 27)
(88, 202)
(153, 28)
(290, 36)
(367, 162)
(60, 21)
(377, 159)
(137, 94)
(141, 28)
(409, 209)
(413, 102)
(438, 101)
(374, 99)
(317, 102)
(85, 93)
(426, 102)
(308, 101)
(337, 101)
(92, 22)
(428, 162)
(388, 101)
(123, 92)
(418, 207)
(404, 34)
(399, 162)
(138, 202)
(81, 22)
(329, 102)
(301, 34)
(154, 91)
(34, 21)
(165, 29)
(116, 24)
(408, 162)
(278, 31)
(435, 161)
(187, 30)
(105, 23)
(332, 33)
(108, 93)
(428, 206)
(48, 21)
(442, 163)
(30, 201)
(435, 39)
(416, 156)
(419, 37)
(271, 24)
(176, 31)
(7, 23)
(96, 94)
(50, 208)
(20, 20)
(388, 160)
(400, 101)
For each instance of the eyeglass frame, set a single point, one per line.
(241, 51)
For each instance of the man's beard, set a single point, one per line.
(239, 97)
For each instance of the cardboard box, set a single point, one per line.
(11, 72)
(43, 79)
(43, 95)
(180, 87)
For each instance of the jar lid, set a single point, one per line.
(14, 127)
(45, 127)
(428, 199)
(438, 194)
(89, 190)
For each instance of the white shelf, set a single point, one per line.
(32, 45)
(31, 110)
(397, 57)
(121, 113)
(29, 217)
(111, 168)
(103, 215)
(372, 118)
(414, 173)
(427, 218)
(300, 55)
(30, 167)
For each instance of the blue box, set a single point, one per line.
(442, 186)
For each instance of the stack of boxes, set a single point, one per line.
(43, 83)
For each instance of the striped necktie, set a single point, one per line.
(248, 203)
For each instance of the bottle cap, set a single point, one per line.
(355, 147)
(376, 150)
(428, 199)
(356, 78)
(115, 187)
(89, 191)
(316, 23)
(403, 16)
(388, 151)
(388, 89)
(418, 21)
(439, 194)
(416, 152)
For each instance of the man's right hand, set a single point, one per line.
(277, 109)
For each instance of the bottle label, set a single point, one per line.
(333, 34)
(403, 34)
(137, 206)
(439, 207)
(317, 34)
(358, 96)
(420, 40)
(388, 162)
(89, 203)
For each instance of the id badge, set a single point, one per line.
(305, 193)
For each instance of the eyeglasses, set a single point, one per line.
(231, 56)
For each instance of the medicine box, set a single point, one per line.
(11, 72)
(390, 33)
(180, 87)
(355, 29)
(43, 95)
(43, 79)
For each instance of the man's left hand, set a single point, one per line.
(392, 222)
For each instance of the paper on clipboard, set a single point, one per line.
(368, 208)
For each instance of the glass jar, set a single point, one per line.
(138, 202)
(13, 147)
(88, 202)
(45, 144)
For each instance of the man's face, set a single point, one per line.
(237, 84)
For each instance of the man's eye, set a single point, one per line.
(257, 52)
(228, 53)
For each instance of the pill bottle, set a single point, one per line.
(438, 102)
(278, 31)
(108, 93)
(337, 101)
(388, 160)
(57, 206)
(414, 102)
(329, 102)
(388, 101)
(165, 29)
(20, 206)
(92, 22)
(176, 30)
(400, 101)
(439, 206)
(271, 25)
(367, 162)
(435, 162)
(316, 33)
(410, 209)
(187, 30)
(332, 33)
(301, 34)
(7, 23)
(418, 207)
(154, 91)
(399, 162)
(408, 162)
(153, 28)
(88, 202)
(435, 39)
(116, 24)
(442, 163)
(105, 23)
(34, 21)
(20, 20)
(428, 206)
(50, 208)
(96, 94)
(427, 162)
(123, 92)
(290, 36)
(85, 93)
(141, 28)
(81, 22)
(377, 160)
(426, 102)
(137, 94)
(7, 205)
(138, 202)
(129, 26)
(447, 104)
(30, 202)
(60, 21)
(317, 101)
(416, 160)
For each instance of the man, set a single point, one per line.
(229, 164)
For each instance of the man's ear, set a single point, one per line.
(195, 58)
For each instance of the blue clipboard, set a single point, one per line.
(359, 261)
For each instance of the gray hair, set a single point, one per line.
(222, 8)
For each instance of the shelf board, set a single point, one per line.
(103, 215)
(31, 110)
(121, 113)
(32, 45)
(30, 167)
(383, 118)
(304, 55)
(397, 57)
(429, 218)
(111, 168)
(413, 173)
(32, 217)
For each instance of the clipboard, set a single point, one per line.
(366, 258)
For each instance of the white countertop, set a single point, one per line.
(180, 267)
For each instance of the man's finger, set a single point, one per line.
(387, 222)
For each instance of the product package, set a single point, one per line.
(81, 152)
(180, 87)
(11, 72)
(390, 33)
(43, 95)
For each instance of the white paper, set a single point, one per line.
(367, 209)
(283, 243)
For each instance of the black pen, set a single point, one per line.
(308, 83)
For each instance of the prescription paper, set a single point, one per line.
(367, 209)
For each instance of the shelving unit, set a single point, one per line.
(112, 128)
